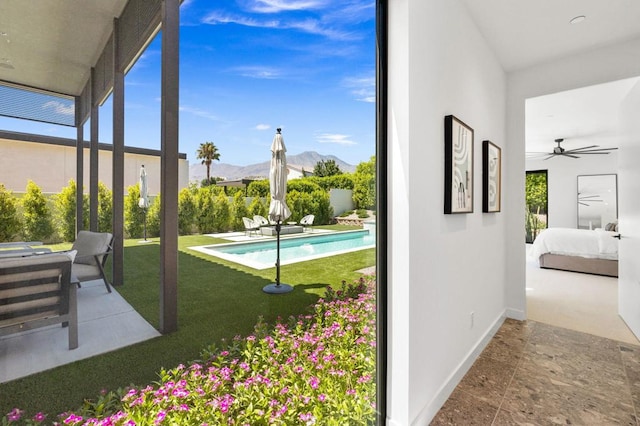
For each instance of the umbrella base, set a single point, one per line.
(277, 289)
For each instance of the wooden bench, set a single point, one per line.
(35, 291)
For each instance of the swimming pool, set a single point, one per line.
(262, 254)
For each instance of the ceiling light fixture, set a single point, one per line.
(577, 19)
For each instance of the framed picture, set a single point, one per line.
(491, 177)
(458, 166)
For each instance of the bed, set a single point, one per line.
(577, 250)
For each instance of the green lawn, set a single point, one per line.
(216, 300)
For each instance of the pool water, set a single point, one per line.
(262, 254)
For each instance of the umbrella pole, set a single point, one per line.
(144, 221)
(278, 227)
(277, 288)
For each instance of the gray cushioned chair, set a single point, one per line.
(93, 249)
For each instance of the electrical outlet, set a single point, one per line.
(472, 318)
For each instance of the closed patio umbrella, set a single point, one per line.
(278, 210)
(143, 202)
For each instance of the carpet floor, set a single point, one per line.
(580, 302)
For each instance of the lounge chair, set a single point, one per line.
(260, 220)
(306, 222)
(250, 226)
(92, 251)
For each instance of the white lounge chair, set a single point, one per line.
(306, 222)
(260, 220)
(250, 226)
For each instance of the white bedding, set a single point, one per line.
(576, 242)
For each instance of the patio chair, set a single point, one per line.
(250, 226)
(306, 222)
(260, 220)
(92, 248)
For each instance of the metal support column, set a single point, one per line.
(93, 159)
(79, 168)
(118, 162)
(169, 167)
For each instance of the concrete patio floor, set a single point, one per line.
(105, 322)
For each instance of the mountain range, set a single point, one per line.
(306, 160)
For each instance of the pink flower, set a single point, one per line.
(72, 418)
(39, 417)
(322, 397)
(306, 417)
(314, 382)
(14, 415)
(160, 417)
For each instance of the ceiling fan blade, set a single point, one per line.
(587, 197)
(594, 150)
(536, 154)
(569, 155)
(589, 152)
(580, 149)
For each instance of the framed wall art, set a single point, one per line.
(491, 177)
(458, 168)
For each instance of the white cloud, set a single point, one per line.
(362, 88)
(355, 11)
(215, 18)
(311, 26)
(263, 126)
(267, 73)
(335, 138)
(276, 6)
(200, 113)
(60, 108)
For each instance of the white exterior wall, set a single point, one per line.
(52, 166)
(442, 267)
(562, 183)
(341, 200)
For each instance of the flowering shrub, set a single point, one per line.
(315, 369)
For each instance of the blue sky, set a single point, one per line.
(250, 66)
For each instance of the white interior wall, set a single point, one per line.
(440, 268)
(562, 179)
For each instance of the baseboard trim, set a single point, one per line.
(427, 414)
(516, 314)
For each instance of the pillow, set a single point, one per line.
(71, 254)
(610, 226)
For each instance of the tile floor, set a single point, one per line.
(537, 374)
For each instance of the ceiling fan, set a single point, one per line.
(576, 152)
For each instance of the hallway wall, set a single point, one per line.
(447, 272)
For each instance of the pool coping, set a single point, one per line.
(204, 249)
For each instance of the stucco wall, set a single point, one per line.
(52, 166)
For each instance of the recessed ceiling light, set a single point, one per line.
(578, 19)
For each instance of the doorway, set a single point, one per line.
(582, 302)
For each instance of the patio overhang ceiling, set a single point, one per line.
(52, 45)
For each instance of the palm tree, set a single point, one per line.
(207, 153)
